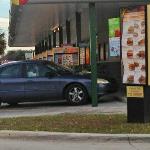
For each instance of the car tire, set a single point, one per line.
(76, 94)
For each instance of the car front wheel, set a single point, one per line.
(76, 94)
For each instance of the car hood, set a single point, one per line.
(83, 76)
(76, 75)
(86, 75)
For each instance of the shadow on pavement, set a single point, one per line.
(35, 104)
(112, 97)
(27, 105)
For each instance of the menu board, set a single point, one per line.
(70, 59)
(82, 56)
(87, 56)
(114, 46)
(66, 56)
(133, 45)
(114, 27)
(148, 37)
(50, 58)
(114, 36)
(58, 59)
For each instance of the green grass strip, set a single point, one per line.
(115, 124)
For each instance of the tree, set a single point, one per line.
(14, 55)
(2, 43)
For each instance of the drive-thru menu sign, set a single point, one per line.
(148, 32)
(133, 45)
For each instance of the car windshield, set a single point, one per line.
(59, 69)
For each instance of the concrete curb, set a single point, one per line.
(29, 135)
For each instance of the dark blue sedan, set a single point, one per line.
(33, 81)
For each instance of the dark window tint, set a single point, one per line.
(12, 71)
(44, 71)
(59, 69)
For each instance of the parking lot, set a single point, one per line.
(106, 105)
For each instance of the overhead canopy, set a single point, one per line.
(31, 22)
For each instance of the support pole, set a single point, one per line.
(54, 39)
(49, 42)
(60, 36)
(78, 28)
(92, 29)
(68, 32)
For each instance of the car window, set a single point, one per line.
(37, 70)
(59, 69)
(31, 70)
(44, 71)
(12, 71)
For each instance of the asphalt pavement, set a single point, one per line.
(54, 108)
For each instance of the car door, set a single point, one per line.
(11, 83)
(39, 85)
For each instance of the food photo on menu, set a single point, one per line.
(135, 72)
(133, 53)
(130, 79)
(131, 40)
(141, 54)
(133, 78)
(130, 54)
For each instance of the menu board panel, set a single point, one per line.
(66, 56)
(133, 45)
(114, 27)
(58, 59)
(114, 46)
(148, 32)
(82, 56)
(50, 58)
(114, 37)
(70, 59)
(66, 59)
(87, 56)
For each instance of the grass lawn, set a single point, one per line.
(75, 123)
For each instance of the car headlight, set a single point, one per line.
(102, 81)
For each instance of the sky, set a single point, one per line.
(4, 21)
(4, 8)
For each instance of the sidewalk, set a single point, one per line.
(29, 135)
